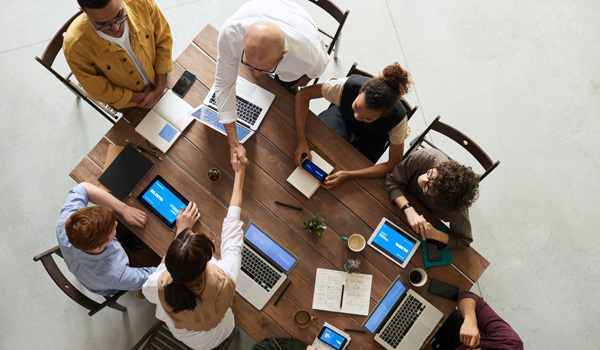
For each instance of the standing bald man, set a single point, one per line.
(269, 36)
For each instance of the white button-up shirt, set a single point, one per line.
(307, 53)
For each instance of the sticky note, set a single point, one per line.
(168, 132)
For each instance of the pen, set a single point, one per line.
(140, 146)
(354, 330)
(150, 154)
(342, 298)
(282, 293)
(287, 205)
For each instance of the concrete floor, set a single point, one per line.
(520, 77)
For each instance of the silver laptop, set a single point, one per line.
(265, 266)
(252, 102)
(403, 319)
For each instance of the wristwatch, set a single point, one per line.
(406, 206)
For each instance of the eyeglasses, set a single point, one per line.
(430, 180)
(245, 63)
(117, 21)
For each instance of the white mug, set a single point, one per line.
(356, 242)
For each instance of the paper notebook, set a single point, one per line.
(328, 292)
(165, 121)
(446, 256)
(304, 181)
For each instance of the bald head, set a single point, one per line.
(264, 44)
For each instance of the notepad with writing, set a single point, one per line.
(166, 121)
(328, 292)
(304, 181)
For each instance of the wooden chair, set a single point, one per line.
(160, 338)
(339, 16)
(410, 111)
(47, 60)
(477, 152)
(63, 283)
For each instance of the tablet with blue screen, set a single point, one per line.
(163, 200)
(393, 242)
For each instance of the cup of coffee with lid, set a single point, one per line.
(417, 277)
(356, 242)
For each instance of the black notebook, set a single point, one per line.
(125, 172)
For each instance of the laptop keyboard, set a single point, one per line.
(402, 321)
(258, 270)
(247, 111)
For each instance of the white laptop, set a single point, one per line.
(403, 319)
(265, 266)
(393, 242)
(253, 102)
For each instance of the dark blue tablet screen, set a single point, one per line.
(164, 201)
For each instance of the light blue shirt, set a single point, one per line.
(105, 273)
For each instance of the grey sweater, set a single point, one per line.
(403, 179)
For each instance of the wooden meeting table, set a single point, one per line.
(356, 206)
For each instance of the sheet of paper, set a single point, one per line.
(174, 110)
(328, 292)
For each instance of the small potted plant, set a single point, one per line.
(214, 174)
(352, 265)
(315, 225)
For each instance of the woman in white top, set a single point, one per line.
(192, 290)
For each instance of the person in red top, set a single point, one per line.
(481, 328)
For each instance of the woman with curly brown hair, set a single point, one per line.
(366, 112)
(444, 186)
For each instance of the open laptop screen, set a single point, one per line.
(270, 248)
(379, 315)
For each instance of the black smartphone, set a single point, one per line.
(434, 250)
(330, 337)
(184, 83)
(313, 169)
(443, 289)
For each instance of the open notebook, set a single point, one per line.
(304, 181)
(166, 121)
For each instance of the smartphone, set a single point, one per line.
(313, 169)
(443, 289)
(434, 250)
(330, 337)
(184, 83)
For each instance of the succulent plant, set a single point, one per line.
(352, 265)
(214, 174)
(315, 225)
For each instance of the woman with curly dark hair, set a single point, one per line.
(444, 186)
(366, 112)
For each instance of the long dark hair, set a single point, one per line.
(186, 260)
(382, 92)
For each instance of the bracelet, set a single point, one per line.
(405, 206)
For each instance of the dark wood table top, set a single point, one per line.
(356, 206)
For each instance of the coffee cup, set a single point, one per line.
(356, 242)
(302, 318)
(417, 277)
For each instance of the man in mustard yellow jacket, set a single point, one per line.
(120, 51)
